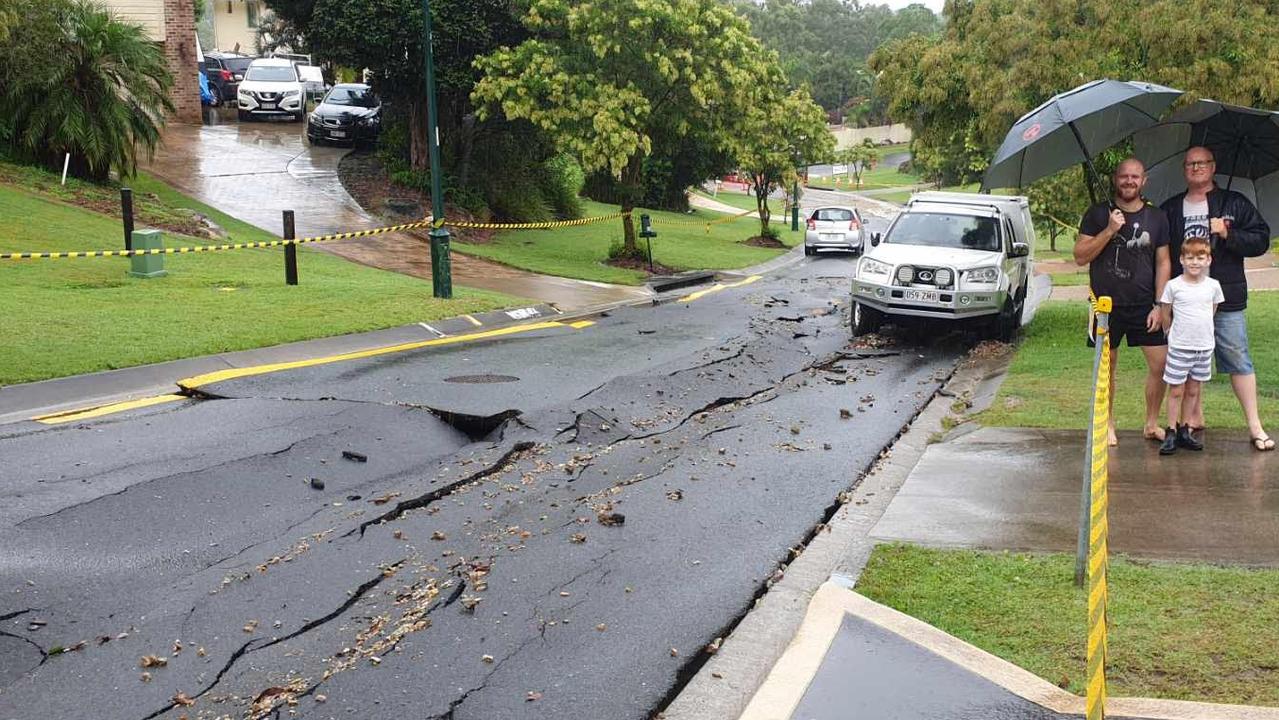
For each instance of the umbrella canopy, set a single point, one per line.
(1074, 126)
(1245, 142)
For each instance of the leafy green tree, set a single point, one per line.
(825, 43)
(774, 140)
(604, 79)
(100, 94)
(960, 91)
(859, 158)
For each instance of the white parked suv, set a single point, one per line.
(271, 87)
(950, 256)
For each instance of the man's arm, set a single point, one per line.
(1165, 315)
(1248, 235)
(1163, 271)
(1088, 247)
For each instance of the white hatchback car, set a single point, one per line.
(271, 87)
(834, 228)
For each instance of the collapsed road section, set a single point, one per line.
(563, 537)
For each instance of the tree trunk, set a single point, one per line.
(761, 204)
(632, 190)
(419, 143)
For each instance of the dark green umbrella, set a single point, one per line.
(1074, 127)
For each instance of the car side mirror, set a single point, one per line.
(1020, 249)
(874, 239)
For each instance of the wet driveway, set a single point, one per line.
(254, 171)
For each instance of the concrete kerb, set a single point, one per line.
(725, 685)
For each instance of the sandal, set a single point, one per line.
(1263, 443)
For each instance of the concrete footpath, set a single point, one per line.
(812, 649)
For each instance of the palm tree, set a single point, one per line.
(101, 95)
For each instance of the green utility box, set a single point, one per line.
(147, 266)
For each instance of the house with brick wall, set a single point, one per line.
(171, 24)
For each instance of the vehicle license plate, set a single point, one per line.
(832, 237)
(268, 106)
(921, 295)
(338, 133)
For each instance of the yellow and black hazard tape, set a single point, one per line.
(212, 248)
(428, 222)
(537, 225)
(705, 223)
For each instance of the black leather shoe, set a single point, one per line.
(1186, 440)
(1169, 445)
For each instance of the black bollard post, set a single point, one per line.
(290, 251)
(126, 214)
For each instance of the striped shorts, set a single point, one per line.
(1183, 363)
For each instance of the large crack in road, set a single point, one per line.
(554, 549)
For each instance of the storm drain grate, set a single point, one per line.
(482, 379)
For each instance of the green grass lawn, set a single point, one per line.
(1049, 382)
(66, 317)
(1184, 632)
(581, 252)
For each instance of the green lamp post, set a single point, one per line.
(441, 270)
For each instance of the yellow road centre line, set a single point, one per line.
(473, 321)
(581, 324)
(87, 413)
(234, 373)
(717, 287)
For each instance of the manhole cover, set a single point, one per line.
(482, 379)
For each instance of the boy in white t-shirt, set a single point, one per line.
(1188, 304)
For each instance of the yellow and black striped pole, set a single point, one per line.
(1094, 522)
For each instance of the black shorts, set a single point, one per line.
(1130, 321)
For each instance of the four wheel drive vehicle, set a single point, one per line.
(949, 256)
(271, 87)
(834, 228)
(225, 71)
(348, 113)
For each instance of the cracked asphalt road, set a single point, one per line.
(562, 545)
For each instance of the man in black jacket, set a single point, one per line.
(1236, 231)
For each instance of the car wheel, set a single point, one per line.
(866, 319)
(1005, 325)
(809, 250)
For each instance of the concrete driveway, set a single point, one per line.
(254, 171)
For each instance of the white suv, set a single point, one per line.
(271, 87)
(949, 256)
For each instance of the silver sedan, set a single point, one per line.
(834, 227)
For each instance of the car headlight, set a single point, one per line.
(872, 269)
(245, 93)
(291, 93)
(981, 276)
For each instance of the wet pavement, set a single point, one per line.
(254, 171)
(1018, 489)
(550, 525)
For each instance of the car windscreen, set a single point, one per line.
(963, 232)
(271, 73)
(237, 64)
(355, 97)
(833, 214)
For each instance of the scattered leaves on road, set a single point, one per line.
(149, 661)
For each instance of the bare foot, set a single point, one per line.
(1111, 439)
(1154, 432)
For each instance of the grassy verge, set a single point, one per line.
(742, 201)
(66, 317)
(1184, 632)
(1048, 383)
(582, 251)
